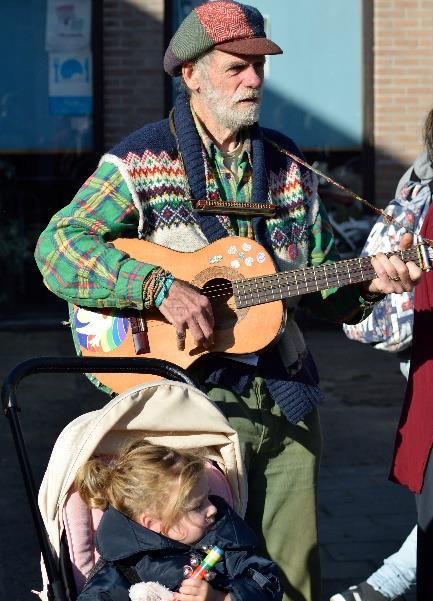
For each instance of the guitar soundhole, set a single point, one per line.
(220, 293)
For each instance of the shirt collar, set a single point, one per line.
(212, 149)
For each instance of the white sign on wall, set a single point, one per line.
(68, 24)
(70, 83)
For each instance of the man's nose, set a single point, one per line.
(253, 78)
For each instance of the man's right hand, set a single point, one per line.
(186, 308)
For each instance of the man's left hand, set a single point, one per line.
(393, 275)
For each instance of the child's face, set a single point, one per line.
(200, 515)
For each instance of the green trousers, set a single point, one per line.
(282, 462)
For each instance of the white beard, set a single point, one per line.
(226, 110)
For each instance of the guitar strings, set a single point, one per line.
(331, 274)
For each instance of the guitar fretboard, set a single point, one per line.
(258, 290)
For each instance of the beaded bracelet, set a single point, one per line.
(156, 287)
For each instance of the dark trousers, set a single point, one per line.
(424, 504)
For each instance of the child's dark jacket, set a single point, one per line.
(242, 572)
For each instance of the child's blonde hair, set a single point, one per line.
(142, 479)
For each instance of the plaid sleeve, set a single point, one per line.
(74, 253)
(340, 305)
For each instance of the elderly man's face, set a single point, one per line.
(231, 85)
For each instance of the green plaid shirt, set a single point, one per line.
(234, 183)
(79, 265)
(73, 255)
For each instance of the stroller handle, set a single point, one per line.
(11, 409)
(36, 365)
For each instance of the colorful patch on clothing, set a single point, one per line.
(99, 331)
(292, 192)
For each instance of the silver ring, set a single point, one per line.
(394, 279)
(180, 335)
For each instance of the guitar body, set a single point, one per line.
(211, 269)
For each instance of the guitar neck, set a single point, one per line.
(258, 290)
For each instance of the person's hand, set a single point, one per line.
(186, 308)
(393, 274)
(199, 590)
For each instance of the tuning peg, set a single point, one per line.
(187, 571)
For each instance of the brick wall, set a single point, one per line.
(133, 37)
(403, 86)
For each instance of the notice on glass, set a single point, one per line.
(68, 25)
(70, 83)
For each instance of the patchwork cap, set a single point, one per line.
(223, 24)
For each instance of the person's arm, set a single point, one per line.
(353, 303)
(256, 579)
(74, 253)
(79, 264)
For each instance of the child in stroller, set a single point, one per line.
(159, 513)
(164, 413)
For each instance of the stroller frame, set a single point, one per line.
(11, 408)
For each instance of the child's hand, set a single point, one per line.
(198, 590)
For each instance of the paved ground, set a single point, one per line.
(363, 517)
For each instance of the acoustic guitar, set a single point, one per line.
(240, 279)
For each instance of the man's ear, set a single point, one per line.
(190, 77)
(149, 522)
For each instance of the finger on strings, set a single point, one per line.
(415, 272)
(402, 274)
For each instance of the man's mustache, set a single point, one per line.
(247, 95)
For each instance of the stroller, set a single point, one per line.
(170, 412)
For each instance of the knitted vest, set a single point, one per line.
(166, 169)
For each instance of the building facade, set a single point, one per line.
(402, 87)
(396, 79)
(352, 88)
